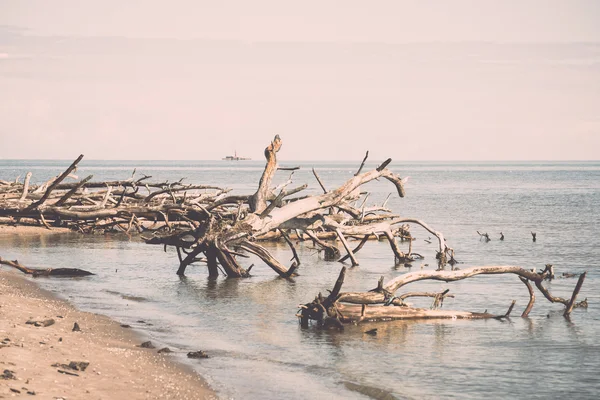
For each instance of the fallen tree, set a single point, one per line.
(219, 239)
(55, 272)
(131, 205)
(383, 304)
(207, 224)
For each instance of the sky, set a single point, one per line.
(411, 80)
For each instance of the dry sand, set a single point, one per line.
(7, 230)
(118, 368)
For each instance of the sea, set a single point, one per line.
(249, 327)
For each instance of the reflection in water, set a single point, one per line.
(207, 288)
(530, 325)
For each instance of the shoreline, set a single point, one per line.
(118, 367)
(11, 230)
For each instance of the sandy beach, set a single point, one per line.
(34, 360)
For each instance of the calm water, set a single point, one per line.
(248, 325)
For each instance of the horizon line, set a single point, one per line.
(303, 160)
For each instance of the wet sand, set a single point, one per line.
(118, 367)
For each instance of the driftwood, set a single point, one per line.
(486, 237)
(271, 213)
(383, 304)
(204, 224)
(54, 272)
(129, 206)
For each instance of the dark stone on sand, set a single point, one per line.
(165, 350)
(74, 365)
(147, 345)
(31, 392)
(8, 374)
(197, 354)
(76, 327)
(15, 390)
(44, 323)
(125, 326)
(79, 365)
(372, 332)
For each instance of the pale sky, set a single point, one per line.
(411, 80)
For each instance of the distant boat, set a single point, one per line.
(235, 157)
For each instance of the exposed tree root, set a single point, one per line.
(383, 304)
